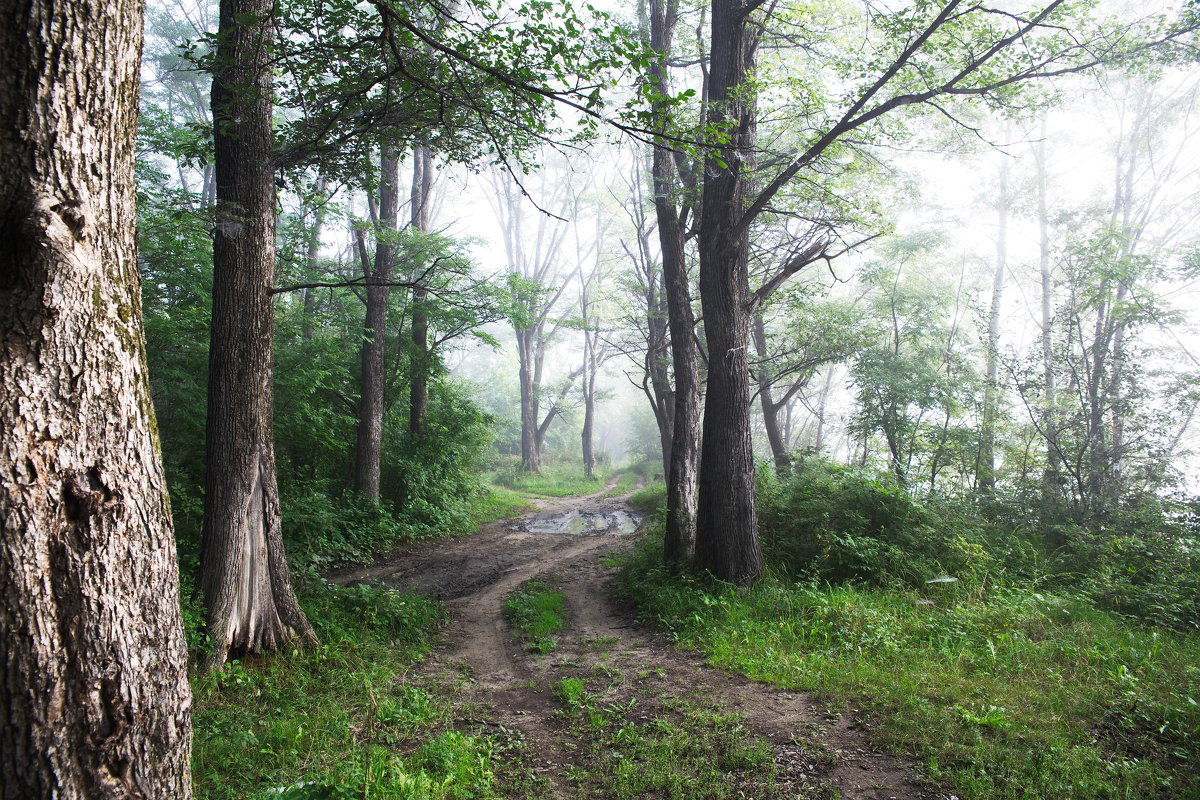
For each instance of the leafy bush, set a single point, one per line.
(839, 524)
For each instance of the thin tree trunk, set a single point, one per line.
(727, 522)
(94, 696)
(770, 408)
(422, 191)
(313, 259)
(826, 390)
(368, 453)
(243, 573)
(1051, 478)
(986, 479)
(683, 473)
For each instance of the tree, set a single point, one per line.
(421, 202)
(95, 700)
(929, 55)
(534, 269)
(378, 277)
(244, 578)
(671, 212)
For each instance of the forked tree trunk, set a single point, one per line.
(368, 452)
(243, 572)
(94, 697)
(679, 543)
(422, 190)
(727, 523)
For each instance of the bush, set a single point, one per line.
(839, 524)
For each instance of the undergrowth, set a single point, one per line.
(335, 721)
(1000, 693)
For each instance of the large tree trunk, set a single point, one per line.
(727, 523)
(243, 573)
(367, 454)
(679, 544)
(422, 189)
(94, 697)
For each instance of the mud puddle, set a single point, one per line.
(575, 522)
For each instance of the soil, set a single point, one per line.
(502, 687)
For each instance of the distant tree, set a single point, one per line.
(94, 702)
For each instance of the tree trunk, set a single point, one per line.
(368, 453)
(679, 545)
(243, 573)
(312, 260)
(770, 407)
(589, 405)
(422, 189)
(94, 698)
(986, 479)
(1051, 475)
(531, 451)
(727, 523)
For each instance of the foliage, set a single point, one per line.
(830, 523)
(998, 693)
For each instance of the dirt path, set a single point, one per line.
(817, 754)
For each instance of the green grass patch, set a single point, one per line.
(650, 499)
(1011, 693)
(496, 503)
(537, 611)
(555, 480)
(686, 752)
(335, 721)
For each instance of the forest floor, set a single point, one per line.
(570, 713)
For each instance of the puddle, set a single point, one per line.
(582, 522)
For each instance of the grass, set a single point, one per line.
(334, 722)
(1008, 694)
(650, 499)
(537, 611)
(685, 752)
(555, 480)
(498, 503)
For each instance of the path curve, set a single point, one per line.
(816, 753)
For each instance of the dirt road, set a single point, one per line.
(500, 686)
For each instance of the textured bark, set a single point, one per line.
(679, 544)
(422, 191)
(94, 698)
(243, 573)
(727, 522)
(367, 454)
